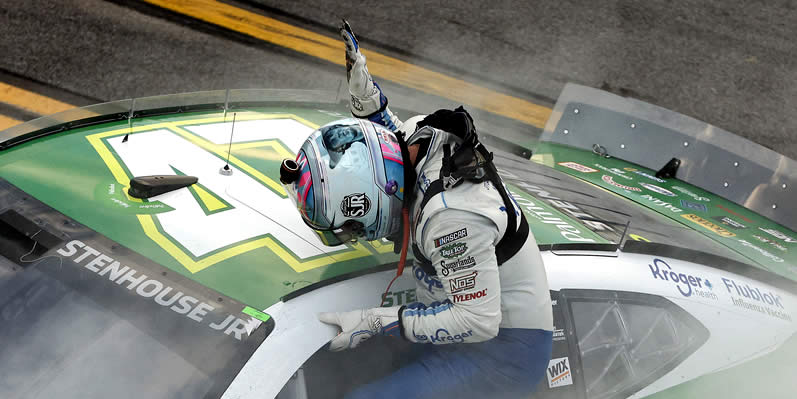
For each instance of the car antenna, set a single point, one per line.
(130, 121)
(226, 170)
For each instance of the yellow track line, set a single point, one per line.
(382, 66)
(31, 101)
(6, 122)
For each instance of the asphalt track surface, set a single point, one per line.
(730, 63)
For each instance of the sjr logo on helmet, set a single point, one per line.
(355, 205)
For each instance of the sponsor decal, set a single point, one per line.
(610, 180)
(779, 235)
(734, 213)
(753, 298)
(443, 336)
(730, 222)
(762, 251)
(614, 171)
(708, 225)
(450, 237)
(355, 205)
(660, 203)
(660, 190)
(558, 334)
(693, 206)
(457, 265)
(463, 283)
(453, 250)
(468, 297)
(577, 166)
(392, 298)
(687, 284)
(651, 177)
(429, 281)
(153, 289)
(376, 325)
(559, 373)
(770, 242)
(387, 137)
(423, 182)
(691, 194)
(568, 231)
(114, 193)
(356, 103)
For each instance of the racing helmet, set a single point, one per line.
(347, 181)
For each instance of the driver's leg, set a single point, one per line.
(507, 366)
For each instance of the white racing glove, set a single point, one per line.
(366, 96)
(358, 325)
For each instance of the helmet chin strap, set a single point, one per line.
(405, 225)
(409, 195)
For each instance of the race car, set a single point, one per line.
(147, 249)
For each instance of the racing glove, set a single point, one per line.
(367, 99)
(359, 325)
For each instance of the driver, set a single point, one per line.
(484, 313)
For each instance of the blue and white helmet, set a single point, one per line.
(349, 181)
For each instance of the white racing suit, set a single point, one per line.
(498, 319)
(457, 231)
(486, 330)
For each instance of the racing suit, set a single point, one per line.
(484, 330)
(499, 318)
